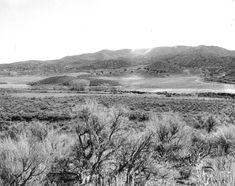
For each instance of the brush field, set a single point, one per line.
(116, 139)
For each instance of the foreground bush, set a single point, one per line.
(27, 158)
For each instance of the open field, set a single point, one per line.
(20, 79)
(179, 84)
(20, 82)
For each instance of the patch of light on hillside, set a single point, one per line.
(139, 52)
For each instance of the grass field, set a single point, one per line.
(18, 82)
(178, 84)
(20, 79)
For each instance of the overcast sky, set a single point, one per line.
(49, 29)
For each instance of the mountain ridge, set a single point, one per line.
(209, 60)
(131, 52)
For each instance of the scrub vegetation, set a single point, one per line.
(97, 144)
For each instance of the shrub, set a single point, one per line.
(208, 123)
(198, 148)
(139, 116)
(78, 84)
(103, 82)
(215, 171)
(34, 130)
(171, 135)
(28, 159)
(99, 135)
(224, 140)
(22, 162)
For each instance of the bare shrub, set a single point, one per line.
(207, 123)
(99, 135)
(134, 160)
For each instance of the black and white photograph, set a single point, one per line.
(117, 93)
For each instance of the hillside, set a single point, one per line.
(56, 80)
(212, 61)
(75, 83)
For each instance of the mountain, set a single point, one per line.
(212, 61)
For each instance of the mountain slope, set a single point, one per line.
(211, 60)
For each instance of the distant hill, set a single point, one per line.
(212, 61)
(56, 80)
(76, 83)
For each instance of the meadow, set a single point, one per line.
(14, 82)
(173, 83)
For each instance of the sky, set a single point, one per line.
(51, 29)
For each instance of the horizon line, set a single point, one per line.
(106, 49)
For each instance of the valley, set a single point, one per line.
(171, 84)
(163, 116)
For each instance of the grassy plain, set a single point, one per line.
(176, 83)
(180, 84)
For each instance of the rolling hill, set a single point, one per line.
(211, 61)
